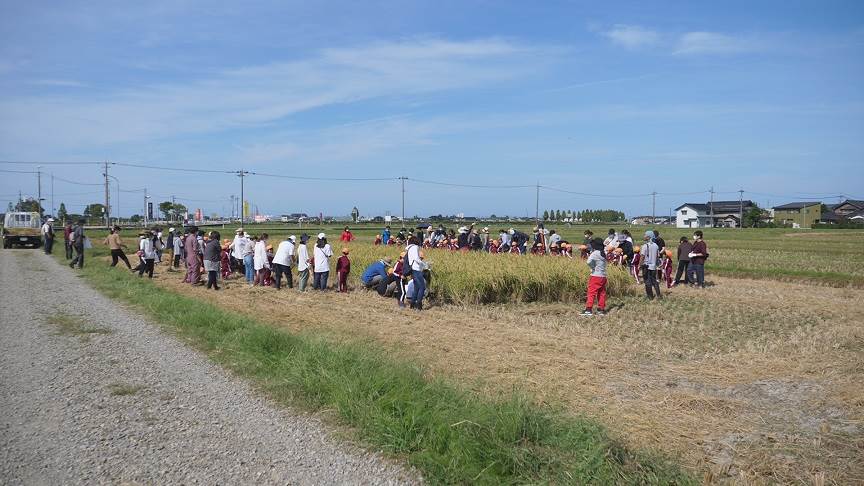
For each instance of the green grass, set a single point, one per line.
(124, 389)
(69, 325)
(450, 435)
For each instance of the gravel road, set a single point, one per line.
(92, 393)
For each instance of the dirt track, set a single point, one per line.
(91, 393)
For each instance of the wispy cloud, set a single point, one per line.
(631, 36)
(264, 94)
(60, 83)
(693, 43)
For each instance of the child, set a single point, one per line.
(268, 273)
(343, 268)
(378, 240)
(634, 266)
(666, 267)
(597, 282)
(225, 259)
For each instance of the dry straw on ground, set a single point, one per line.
(748, 380)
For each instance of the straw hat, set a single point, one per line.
(321, 236)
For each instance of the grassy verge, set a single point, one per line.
(450, 435)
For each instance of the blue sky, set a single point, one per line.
(616, 100)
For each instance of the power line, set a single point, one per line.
(473, 186)
(19, 171)
(176, 169)
(330, 179)
(594, 195)
(47, 163)
(77, 183)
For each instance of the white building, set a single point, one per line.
(726, 214)
(692, 215)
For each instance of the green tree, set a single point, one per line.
(28, 205)
(62, 214)
(545, 215)
(753, 217)
(558, 215)
(355, 214)
(94, 212)
(166, 208)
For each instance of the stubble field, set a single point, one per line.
(754, 379)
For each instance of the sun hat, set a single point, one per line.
(321, 236)
(463, 229)
(292, 238)
(171, 230)
(239, 230)
(50, 220)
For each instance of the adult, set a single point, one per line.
(212, 259)
(484, 238)
(193, 260)
(626, 246)
(78, 238)
(462, 239)
(321, 256)
(650, 253)
(282, 261)
(236, 251)
(661, 243)
(611, 239)
(415, 262)
(48, 235)
(385, 235)
(503, 241)
(259, 259)
(475, 243)
(554, 238)
(519, 240)
(375, 275)
(148, 247)
(684, 249)
(160, 245)
(248, 256)
(697, 260)
(177, 244)
(347, 236)
(67, 239)
(115, 245)
(303, 262)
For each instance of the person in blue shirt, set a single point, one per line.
(385, 235)
(376, 276)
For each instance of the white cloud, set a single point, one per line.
(262, 94)
(692, 43)
(632, 36)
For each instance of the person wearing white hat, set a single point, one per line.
(282, 261)
(48, 234)
(235, 251)
(321, 255)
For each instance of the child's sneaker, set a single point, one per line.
(587, 312)
(601, 312)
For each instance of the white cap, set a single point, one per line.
(512, 231)
(463, 229)
(321, 235)
(50, 220)
(292, 238)
(170, 230)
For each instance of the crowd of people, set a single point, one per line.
(407, 280)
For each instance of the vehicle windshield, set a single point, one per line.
(22, 220)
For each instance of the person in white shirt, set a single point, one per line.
(48, 235)
(148, 246)
(415, 261)
(248, 252)
(259, 259)
(236, 250)
(321, 255)
(303, 262)
(282, 262)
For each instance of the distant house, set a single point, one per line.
(798, 214)
(725, 214)
(641, 220)
(848, 208)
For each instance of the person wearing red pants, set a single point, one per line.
(343, 268)
(597, 282)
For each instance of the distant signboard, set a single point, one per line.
(388, 219)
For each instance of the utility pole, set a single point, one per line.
(242, 174)
(146, 197)
(403, 201)
(711, 209)
(39, 188)
(107, 195)
(654, 207)
(537, 205)
(740, 208)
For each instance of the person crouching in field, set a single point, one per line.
(225, 262)
(597, 282)
(343, 268)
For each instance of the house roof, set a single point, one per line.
(719, 206)
(797, 205)
(696, 206)
(852, 202)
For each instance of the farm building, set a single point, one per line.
(726, 214)
(798, 214)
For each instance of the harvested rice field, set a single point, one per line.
(754, 380)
